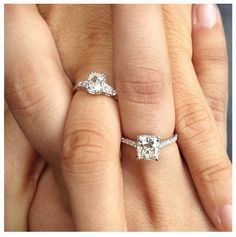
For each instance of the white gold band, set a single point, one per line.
(148, 146)
(163, 143)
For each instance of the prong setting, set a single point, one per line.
(96, 85)
(148, 147)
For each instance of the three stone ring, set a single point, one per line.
(96, 85)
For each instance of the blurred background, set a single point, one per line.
(226, 13)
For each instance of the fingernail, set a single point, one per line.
(204, 15)
(225, 214)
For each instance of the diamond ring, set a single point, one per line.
(148, 146)
(96, 85)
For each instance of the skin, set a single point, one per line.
(142, 184)
(201, 118)
(22, 172)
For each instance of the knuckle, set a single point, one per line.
(193, 120)
(97, 31)
(85, 151)
(143, 85)
(215, 56)
(14, 13)
(10, 10)
(212, 171)
(99, 25)
(25, 94)
(218, 107)
(95, 40)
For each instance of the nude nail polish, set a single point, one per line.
(204, 15)
(225, 214)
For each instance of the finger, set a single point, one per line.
(85, 24)
(142, 73)
(87, 35)
(198, 135)
(91, 164)
(210, 64)
(36, 88)
(143, 83)
(21, 173)
(49, 194)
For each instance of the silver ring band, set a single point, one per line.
(148, 146)
(95, 85)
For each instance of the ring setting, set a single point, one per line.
(148, 146)
(96, 85)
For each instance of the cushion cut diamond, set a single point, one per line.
(148, 147)
(95, 83)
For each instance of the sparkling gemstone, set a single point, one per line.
(95, 83)
(148, 147)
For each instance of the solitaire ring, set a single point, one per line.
(148, 146)
(96, 85)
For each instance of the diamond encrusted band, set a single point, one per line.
(96, 85)
(148, 146)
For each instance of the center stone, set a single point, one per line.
(95, 83)
(148, 147)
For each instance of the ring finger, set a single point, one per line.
(142, 76)
(91, 164)
(142, 72)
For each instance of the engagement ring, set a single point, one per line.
(148, 146)
(96, 85)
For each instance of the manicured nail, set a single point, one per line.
(204, 15)
(225, 214)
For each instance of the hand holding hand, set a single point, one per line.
(142, 73)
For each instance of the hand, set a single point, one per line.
(142, 181)
(30, 53)
(22, 171)
(201, 111)
(18, 20)
(73, 116)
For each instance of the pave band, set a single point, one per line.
(96, 85)
(148, 146)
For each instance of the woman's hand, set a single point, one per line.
(145, 100)
(145, 183)
(200, 82)
(22, 168)
(38, 94)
